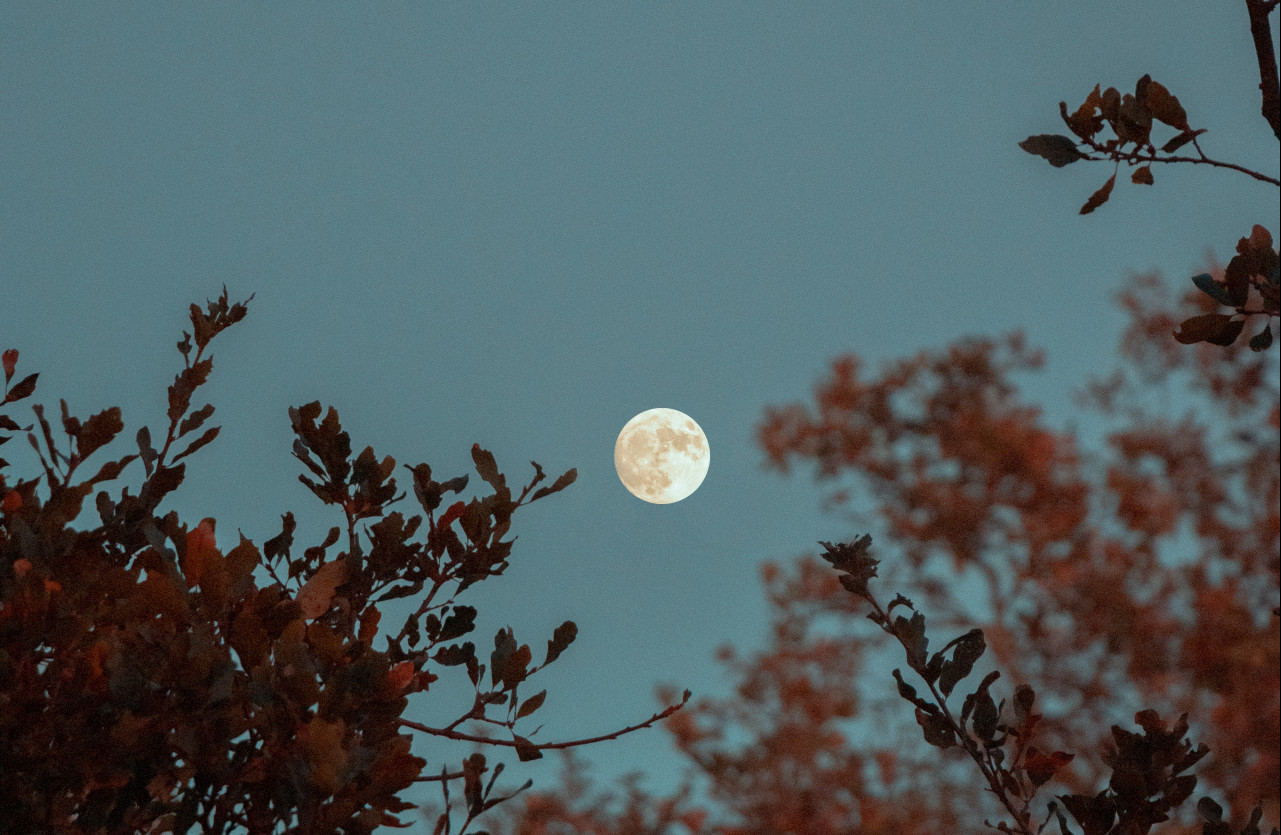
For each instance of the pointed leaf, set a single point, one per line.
(1182, 139)
(111, 469)
(567, 478)
(1206, 284)
(1142, 176)
(968, 650)
(195, 419)
(10, 361)
(531, 704)
(209, 435)
(1099, 197)
(21, 390)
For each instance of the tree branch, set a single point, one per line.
(1269, 84)
(1020, 816)
(1136, 157)
(546, 746)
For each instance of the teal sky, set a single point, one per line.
(519, 227)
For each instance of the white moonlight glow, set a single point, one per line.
(662, 456)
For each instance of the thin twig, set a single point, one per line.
(1135, 156)
(464, 737)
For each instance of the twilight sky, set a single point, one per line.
(521, 226)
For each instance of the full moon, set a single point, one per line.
(662, 456)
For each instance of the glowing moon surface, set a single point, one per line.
(662, 456)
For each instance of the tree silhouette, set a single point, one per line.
(152, 681)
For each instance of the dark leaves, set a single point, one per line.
(853, 559)
(1041, 767)
(487, 467)
(278, 546)
(983, 712)
(1094, 814)
(162, 482)
(531, 704)
(907, 691)
(1165, 106)
(1085, 122)
(935, 728)
(145, 449)
(209, 435)
(97, 431)
(1142, 176)
(1262, 340)
(560, 641)
(1215, 328)
(526, 750)
(508, 663)
(1209, 810)
(460, 621)
(911, 633)
(567, 478)
(453, 655)
(1206, 284)
(193, 421)
(1024, 697)
(1180, 140)
(1055, 149)
(218, 316)
(969, 647)
(23, 389)
(1099, 197)
(1146, 783)
(326, 440)
(111, 469)
(429, 492)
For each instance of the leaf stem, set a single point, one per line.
(1135, 156)
(546, 746)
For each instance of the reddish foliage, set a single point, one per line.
(150, 681)
(1139, 575)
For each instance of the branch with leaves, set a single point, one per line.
(1251, 283)
(1130, 118)
(1148, 780)
(194, 695)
